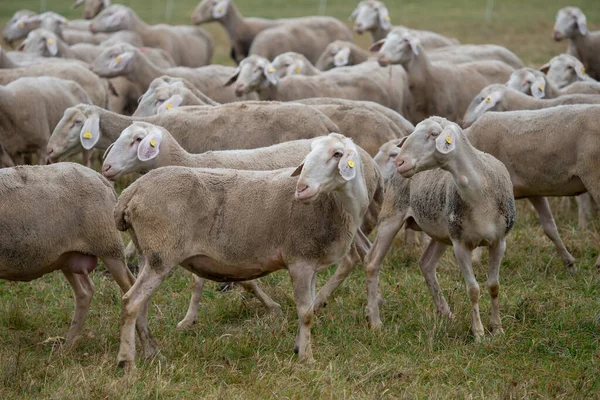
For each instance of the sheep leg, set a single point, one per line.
(428, 264)
(358, 251)
(41, 157)
(463, 256)
(191, 317)
(130, 251)
(547, 220)
(388, 229)
(584, 203)
(303, 282)
(135, 302)
(125, 279)
(496, 254)
(270, 305)
(83, 287)
(593, 187)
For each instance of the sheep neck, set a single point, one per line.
(176, 155)
(268, 93)
(379, 33)
(580, 43)
(111, 125)
(464, 167)
(235, 24)
(420, 82)
(144, 71)
(64, 50)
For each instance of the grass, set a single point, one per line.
(550, 349)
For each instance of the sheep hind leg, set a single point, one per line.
(592, 184)
(549, 225)
(303, 282)
(463, 256)
(428, 264)
(496, 254)
(83, 287)
(270, 305)
(191, 317)
(584, 210)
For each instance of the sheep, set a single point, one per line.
(196, 129)
(60, 218)
(534, 83)
(571, 24)
(46, 44)
(189, 46)
(374, 17)
(30, 109)
(255, 74)
(459, 196)
(135, 66)
(564, 70)
(439, 88)
(15, 23)
(311, 223)
(498, 97)
(91, 7)
(308, 37)
(292, 63)
(340, 53)
(527, 142)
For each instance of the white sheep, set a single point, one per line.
(564, 70)
(534, 83)
(91, 7)
(456, 194)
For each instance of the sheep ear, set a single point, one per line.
(414, 45)
(117, 18)
(271, 74)
(34, 19)
(52, 46)
(298, 170)
(582, 24)
(149, 147)
(342, 57)
(446, 141)
(354, 14)
(234, 77)
(172, 102)
(580, 73)
(347, 165)
(220, 9)
(538, 88)
(90, 133)
(77, 4)
(121, 61)
(545, 68)
(384, 17)
(401, 143)
(489, 102)
(376, 46)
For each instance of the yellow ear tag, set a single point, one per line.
(271, 69)
(153, 143)
(488, 99)
(169, 106)
(351, 163)
(298, 70)
(67, 20)
(341, 56)
(117, 59)
(20, 25)
(583, 70)
(388, 19)
(87, 135)
(220, 9)
(448, 140)
(50, 41)
(541, 88)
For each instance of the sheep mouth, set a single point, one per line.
(307, 195)
(407, 170)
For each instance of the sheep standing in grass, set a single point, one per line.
(60, 218)
(240, 225)
(456, 194)
(571, 24)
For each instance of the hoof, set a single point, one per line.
(185, 325)
(497, 331)
(375, 325)
(126, 365)
(296, 349)
(479, 337)
(319, 305)
(274, 311)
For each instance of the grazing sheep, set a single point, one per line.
(30, 109)
(196, 129)
(439, 88)
(459, 196)
(340, 53)
(133, 64)
(501, 98)
(534, 83)
(564, 70)
(300, 224)
(255, 74)
(91, 7)
(571, 24)
(60, 217)
(189, 46)
(374, 17)
(527, 142)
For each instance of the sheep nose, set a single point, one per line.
(358, 27)
(106, 168)
(301, 187)
(556, 35)
(382, 60)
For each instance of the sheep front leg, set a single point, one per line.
(303, 281)
(428, 264)
(496, 254)
(547, 220)
(385, 236)
(270, 305)
(135, 302)
(191, 317)
(463, 256)
(84, 291)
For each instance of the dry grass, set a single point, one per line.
(236, 351)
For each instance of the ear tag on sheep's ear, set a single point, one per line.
(351, 163)
(153, 143)
(388, 19)
(448, 140)
(169, 106)
(488, 99)
(87, 135)
(271, 70)
(117, 59)
(50, 41)
(298, 70)
(582, 70)
(20, 25)
(541, 88)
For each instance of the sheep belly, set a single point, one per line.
(209, 268)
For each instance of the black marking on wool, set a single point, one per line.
(506, 208)
(459, 211)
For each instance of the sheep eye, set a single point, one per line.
(393, 155)
(338, 154)
(139, 139)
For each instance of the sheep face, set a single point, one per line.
(40, 42)
(210, 10)
(336, 54)
(115, 61)
(332, 162)
(489, 99)
(135, 150)
(76, 130)
(399, 47)
(386, 158)
(161, 99)
(369, 16)
(289, 64)
(253, 73)
(428, 147)
(570, 22)
(563, 70)
(528, 81)
(112, 19)
(92, 7)
(18, 26)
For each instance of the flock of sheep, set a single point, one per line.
(288, 161)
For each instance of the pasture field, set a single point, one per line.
(550, 349)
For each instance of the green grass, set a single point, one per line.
(237, 351)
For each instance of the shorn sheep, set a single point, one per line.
(460, 197)
(239, 225)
